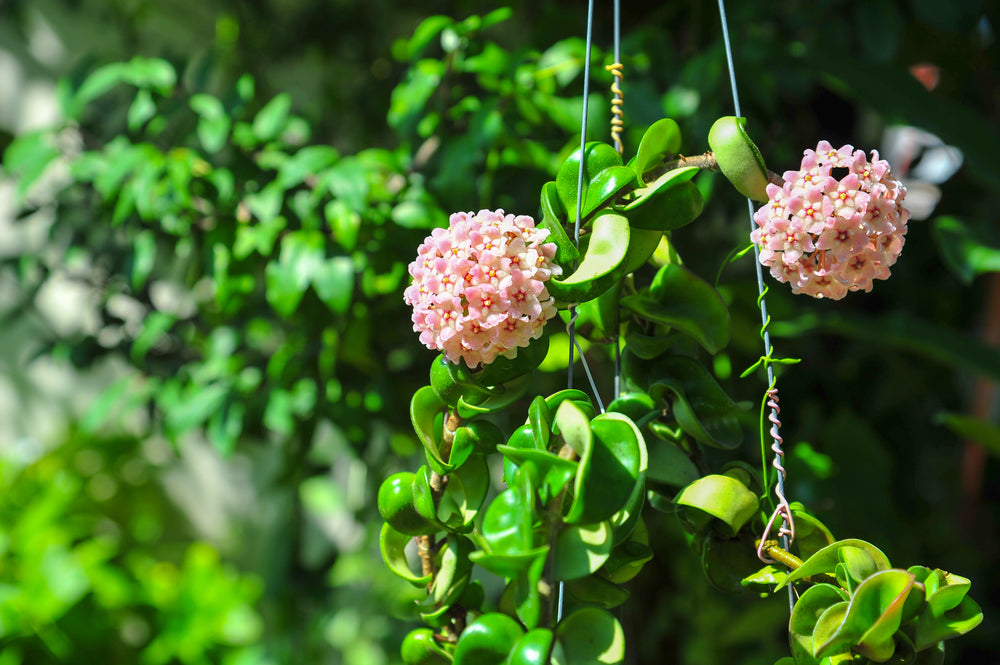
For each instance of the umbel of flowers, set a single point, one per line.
(827, 236)
(478, 286)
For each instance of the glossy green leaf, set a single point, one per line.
(395, 505)
(553, 219)
(629, 555)
(661, 141)
(727, 562)
(454, 569)
(334, 283)
(981, 431)
(393, 544)
(642, 243)
(680, 299)
(425, 406)
(603, 262)
(532, 649)
(480, 436)
(739, 159)
(953, 623)
(811, 535)
(508, 523)
(722, 497)
(670, 465)
(420, 648)
(609, 469)
(464, 494)
(573, 425)
(510, 565)
(591, 636)
(488, 640)
(581, 549)
(450, 381)
(500, 397)
(702, 408)
(607, 184)
(825, 561)
(598, 157)
(805, 615)
(871, 619)
(555, 472)
(669, 209)
(597, 591)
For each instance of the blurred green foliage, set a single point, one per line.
(240, 185)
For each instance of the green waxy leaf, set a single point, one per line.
(393, 544)
(739, 159)
(660, 142)
(487, 640)
(602, 265)
(609, 469)
(605, 186)
(598, 157)
(953, 623)
(590, 636)
(702, 408)
(582, 549)
(271, 120)
(532, 649)
(824, 562)
(807, 611)
(553, 218)
(669, 209)
(680, 299)
(869, 621)
(722, 497)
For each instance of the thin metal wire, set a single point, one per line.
(576, 232)
(617, 125)
(776, 446)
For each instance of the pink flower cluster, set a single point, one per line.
(478, 286)
(827, 236)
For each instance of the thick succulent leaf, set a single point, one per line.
(540, 419)
(581, 398)
(857, 563)
(635, 405)
(532, 649)
(581, 549)
(609, 469)
(661, 141)
(811, 535)
(554, 472)
(509, 566)
(670, 465)
(680, 299)
(488, 640)
(642, 243)
(507, 524)
(598, 156)
(596, 590)
(806, 613)
(392, 545)
(602, 265)
(825, 561)
(590, 636)
(425, 406)
(454, 569)
(872, 618)
(464, 494)
(667, 209)
(955, 622)
(573, 425)
(702, 408)
(605, 186)
(722, 497)
(504, 370)
(727, 562)
(739, 159)
(553, 218)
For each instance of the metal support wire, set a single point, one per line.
(782, 509)
(576, 231)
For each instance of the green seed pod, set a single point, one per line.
(738, 157)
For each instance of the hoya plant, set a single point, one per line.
(523, 535)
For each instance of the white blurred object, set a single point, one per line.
(922, 161)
